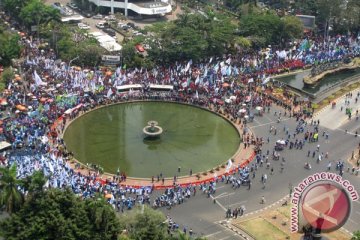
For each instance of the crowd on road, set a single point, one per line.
(48, 93)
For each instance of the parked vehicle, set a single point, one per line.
(101, 25)
(140, 48)
(72, 6)
(83, 26)
(87, 14)
(110, 32)
(98, 16)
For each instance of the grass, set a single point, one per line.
(266, 227)
(262, 229)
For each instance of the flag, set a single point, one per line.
(188, 65)
(228, 166)
(38, 80)
(109, 93)
(197, 81)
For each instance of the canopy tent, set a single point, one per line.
(4, 145)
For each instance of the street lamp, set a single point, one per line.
(73, 60)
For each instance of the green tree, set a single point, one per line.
(34, 184)
(103, 217)
(145, 224)
(53, 214)
(10, 196)
(36, 13)
(266, 26)
(356, 235)
(10, 47)
(293, 28)
(13, 7)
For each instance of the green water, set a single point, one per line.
(296, 80)
(112, 136)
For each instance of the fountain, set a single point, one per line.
(152, 130)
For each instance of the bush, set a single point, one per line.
(7, 75)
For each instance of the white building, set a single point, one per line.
(139, 7)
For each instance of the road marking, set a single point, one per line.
(221, 196)
(227, 237)
(217, 202)
(353, 221)
(238, 203)
(264, 124)
(212, 234)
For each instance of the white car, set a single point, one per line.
(83, 26)
(98, 16)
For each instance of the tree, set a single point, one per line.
(34, 184)
(10, 47)
(13, 7)
(36, 13)
(266, 26)
(53, 214)
(10, 196)
(145, 224)
(356, 235)
(293, 28)
(103, 217)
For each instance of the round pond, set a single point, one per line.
(112, 136)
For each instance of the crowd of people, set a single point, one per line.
(51, 93)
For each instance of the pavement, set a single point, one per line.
(206, 217)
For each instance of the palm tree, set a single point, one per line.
(10, 196)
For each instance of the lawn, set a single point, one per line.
(262, 229)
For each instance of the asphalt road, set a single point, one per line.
(203, 216)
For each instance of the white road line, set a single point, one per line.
(212, 234)
(264, 124)
(353, 221)
(217, 202)
(221, 196)
(227, 237)
(238, 203)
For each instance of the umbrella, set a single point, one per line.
(242, 110)
(226, 85)
(108, 73)
(21, 108)
(228, 100)
(109, 195)
(259, 108)
(233, 97)
(280, 142)
(3, 102)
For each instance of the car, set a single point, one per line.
(98, 16)
(101, 25)
(110, 18)
(72, 6)
(125, 27)
(87, 14)
(140, 48)
(83, 26)
(132, 25)
(110, 32)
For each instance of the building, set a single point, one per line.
(139, 7)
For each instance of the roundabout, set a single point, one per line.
(114, 137)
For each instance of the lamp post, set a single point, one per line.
(73, 60)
